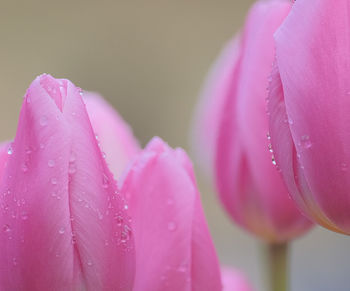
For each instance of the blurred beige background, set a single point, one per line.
(149, 59)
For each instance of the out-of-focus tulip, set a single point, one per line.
(113, 133)
(58, 200)
(233, 280)
(66, 226)
(309, 110)
(248, 184)
(174, 250)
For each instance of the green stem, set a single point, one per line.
(276, 257)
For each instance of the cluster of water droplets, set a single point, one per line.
(273, 160)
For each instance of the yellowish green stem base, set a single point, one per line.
(275, 266)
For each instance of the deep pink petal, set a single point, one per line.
(173, 247)
(58, 229)
(5, 151)
(250, 187)
(114, 134)
(233, 280)
(313, 60)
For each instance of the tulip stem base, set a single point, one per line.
(275, 259)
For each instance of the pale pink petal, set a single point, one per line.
(173, 247)
(113, 133)
(58, 229)
(206, 120)
(313, 60)
(250, 186)
(233, 280)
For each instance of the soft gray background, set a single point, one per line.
(149, 59)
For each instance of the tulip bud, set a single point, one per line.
(174, 250)
(58, 200)
(247, 181)
(309, 110)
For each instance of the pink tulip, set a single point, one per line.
(233, 280)
(309, 107)
(66, 226)
(174, 250)
(248, 184)
(115, 136)
(56, 192)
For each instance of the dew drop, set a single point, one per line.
(51, 163)
(89, 263)
(119, 219)
(290, 121)
(105, 181)
(72, 157)
(24, 215)
(182, 269)
(14, 261)
(10, 150)
(28, 99)
(305, 142)
(171, 226)
(273, 160)
(6, 228)
(72, 168)
(43, 120)
(344, 167)
(28, 151)
(24, 168)
(53, 181)
(126, 207)
(61, 230)
(42, 146)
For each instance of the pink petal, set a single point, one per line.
(5, 151)
(313, 60)
(58, 226)
(233, 280)
(250, 187)
(173, 247)
(208, 111)
(114, 134)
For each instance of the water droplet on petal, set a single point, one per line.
(24, 168)
(72, 168)
(51, 163)
(105, 181)
(24, 215)
(126, 207)
(119, 219)
(61, 230)
(344, 167)
(290, 121)
(72, 157)
(6, 228)
(43, 120)
(53, 181)
(305, 142)
(273, 160)
(89, 263)
(171, 226)
(14, 261)
(10, 150)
